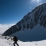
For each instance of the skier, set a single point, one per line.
(15, 39)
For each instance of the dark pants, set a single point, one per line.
(15, 43)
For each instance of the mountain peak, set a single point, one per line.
(36, 16)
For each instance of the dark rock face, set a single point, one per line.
(36, 16)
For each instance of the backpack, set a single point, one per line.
(15, 38)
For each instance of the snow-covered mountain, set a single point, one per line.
(33, 25)
(36, 34)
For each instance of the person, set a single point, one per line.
(15, 39)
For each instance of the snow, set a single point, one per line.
(36, 34)
(4, 42)
(31, 37)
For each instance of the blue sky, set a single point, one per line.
(12, 11)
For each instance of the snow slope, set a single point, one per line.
(36, 34)
(4, 42)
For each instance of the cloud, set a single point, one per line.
(4, 27)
